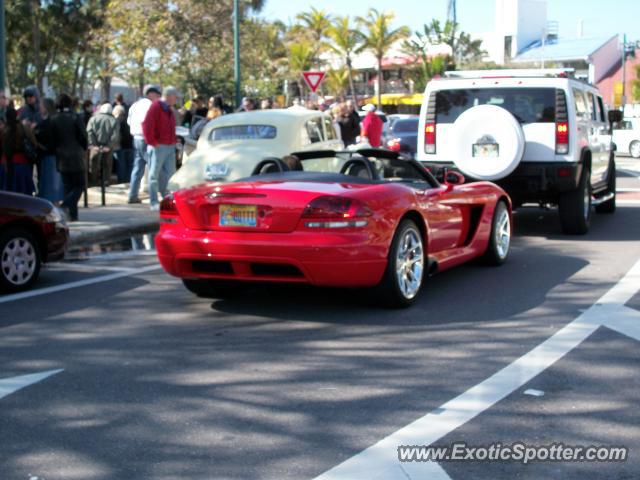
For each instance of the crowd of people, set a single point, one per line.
(65, 145)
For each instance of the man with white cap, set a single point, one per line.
(137, 113)
(159, 129)
(102, 133)
(371, 126)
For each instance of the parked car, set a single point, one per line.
(230, 146)
(541, 135)
(626, 137)
(32, 232)
(402, 136)
(349, 219)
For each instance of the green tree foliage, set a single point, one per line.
(345, 41)
(379, 38)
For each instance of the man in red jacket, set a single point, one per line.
(371, 126)
(159, 130)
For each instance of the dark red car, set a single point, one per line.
(352, 219)
(32, 231)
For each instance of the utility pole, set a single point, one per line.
(623, 99)
(236, 49)
(3, 50)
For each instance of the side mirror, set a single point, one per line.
(452, 178)
(615, 116)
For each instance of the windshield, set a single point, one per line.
(527, 105)
(243, 132)
(382, 169)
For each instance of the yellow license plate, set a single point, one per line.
(238, 215)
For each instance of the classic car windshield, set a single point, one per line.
(243, 132)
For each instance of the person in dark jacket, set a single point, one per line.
(349, 126)
(17, 165)
(30, 112)
(49, 179)
(70, 140)
(123, 155)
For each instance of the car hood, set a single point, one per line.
(240, 160)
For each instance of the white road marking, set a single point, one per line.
(534, 393)
(13, 384)
(80, 267)
(77, 284)
(380, 461)
(618, 190)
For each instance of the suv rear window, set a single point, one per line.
(528, 105)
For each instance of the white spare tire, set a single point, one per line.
(488, 142)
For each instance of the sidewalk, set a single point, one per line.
(117, 219)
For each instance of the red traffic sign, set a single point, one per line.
(313, 79)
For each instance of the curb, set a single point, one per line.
(115, 232)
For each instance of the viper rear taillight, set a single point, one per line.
(168, 209)
(335, 212)
(394, 144)
(430, 138)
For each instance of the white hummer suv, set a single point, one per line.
(541, 135)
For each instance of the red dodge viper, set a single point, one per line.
(366, 218)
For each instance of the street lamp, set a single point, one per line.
(236, 49)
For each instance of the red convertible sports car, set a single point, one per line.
(366, 218)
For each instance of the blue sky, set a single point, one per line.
(601, 17)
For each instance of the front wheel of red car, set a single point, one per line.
(500, 239)
(19, 260)
(403, 278)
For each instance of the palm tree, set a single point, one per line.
(379, 38)
(318, 23)
(337, 81)
(346, 41)
(300, 60)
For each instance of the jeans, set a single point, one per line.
(124, 164)
(139, 164)
(162, 164)
(73, 187)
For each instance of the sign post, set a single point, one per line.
(313, 79)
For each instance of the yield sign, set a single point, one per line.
(313, 79)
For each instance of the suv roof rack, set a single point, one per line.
(508, 73)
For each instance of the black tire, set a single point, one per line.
(497, 252)
(575, 207)
(209, 288)
(610, 205)
(20, 260)
(389, 291)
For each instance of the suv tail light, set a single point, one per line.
(430, 138)
(335, 212)
(562, 138)
(562, 123)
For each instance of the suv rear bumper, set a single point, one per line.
(530, 182)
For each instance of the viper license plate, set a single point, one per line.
(238, 215)
(486, 150)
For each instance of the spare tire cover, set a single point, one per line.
(485, 126)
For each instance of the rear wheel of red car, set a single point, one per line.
(402, 280)
(500, 239)
(209, 288)
(19, 260)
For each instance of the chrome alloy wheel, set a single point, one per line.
(634, 149)
(410, 263)
(18, 261)
(502, 234)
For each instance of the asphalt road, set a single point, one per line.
(141, 380)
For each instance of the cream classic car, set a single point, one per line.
(231, 146)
